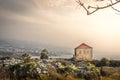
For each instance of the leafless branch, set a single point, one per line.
(113, 7)
(96, 8)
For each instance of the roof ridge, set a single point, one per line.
(83, 46)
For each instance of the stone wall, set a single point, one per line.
(83, 54)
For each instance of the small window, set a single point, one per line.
(84, 51)
(80, 52)
(87, 51)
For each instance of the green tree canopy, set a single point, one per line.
(26, 57)
(44, 54)
(104, 62)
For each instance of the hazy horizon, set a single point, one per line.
(60, 23)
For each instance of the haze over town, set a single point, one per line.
(60, 23)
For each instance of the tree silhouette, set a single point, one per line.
(90, 9)
(104, 62)
(44, 54)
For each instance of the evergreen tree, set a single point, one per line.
(44, 54)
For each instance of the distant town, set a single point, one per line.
(17, 48)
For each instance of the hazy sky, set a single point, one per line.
(60, 23)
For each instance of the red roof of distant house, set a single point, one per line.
(83, 46)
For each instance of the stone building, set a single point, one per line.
(83, 52)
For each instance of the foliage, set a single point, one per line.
(114, 63)
(58, 70)
(84, 70)
(104, 62)
(96, 63)
(44, 54)
(26, 57)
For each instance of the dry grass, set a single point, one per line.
(106, 78)
(111, 73)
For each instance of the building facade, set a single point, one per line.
(83, 52)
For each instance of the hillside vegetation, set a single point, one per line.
(54, 69)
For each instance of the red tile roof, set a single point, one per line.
(83, 46)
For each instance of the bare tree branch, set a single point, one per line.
(113, 7)
(96, 8)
